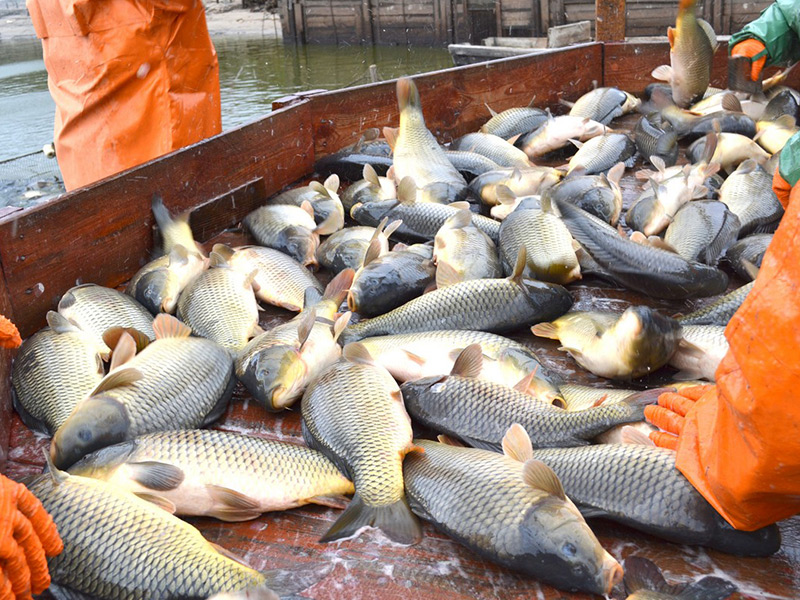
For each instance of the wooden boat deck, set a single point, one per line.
(103, 234)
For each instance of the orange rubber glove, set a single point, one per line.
(27, 535)
(9, 334)
(670, 412)
(750, 48)
(781, 188)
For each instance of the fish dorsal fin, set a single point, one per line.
(226, 252)
(356, 352)
(112, 334)
(463, 218)
(390, 174)
(306, 206)
(750, 268)
(59, 323)
(124, 351)
(120, 378)
(336, 290)
(747, 166)
(446, 275)
(541, 477)
(631, 435)
(332, 223)
(659, 164)
(517, 444)
(371, 175)
(711, 141)
(391, 228)
(56, 474)
(167, 326)
(250, 281)
(380, 227)
(523, 384)
(615, 173)
(460, 205)
(217, 260)
(340, 323)
(785, 121)
(332, 183)
(469, 363)
(519, 266)
(178, 256)
(730, 102)
(317, 187)
(407, 190)
(489, 108)
(391, 133)
(449, 441)
(637, 237)
(305, 325)
(505, 195)
(577, 143)
(373, 251)
(710, 33)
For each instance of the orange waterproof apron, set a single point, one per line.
(740, 444)
(131, 79)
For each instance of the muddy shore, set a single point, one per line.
(224, 19)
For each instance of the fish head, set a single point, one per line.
(158, 291)
(277, 372)
(650, 339)
(98, 422)
(102, 463)
(554, 535)
(371, 213)
(413, 391)
(301, 244)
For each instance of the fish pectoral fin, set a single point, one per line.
(662, 73)
(545, 330)
(395, 520)
(356, 352)
(391, 133)
(643, 574)
(159, 501)
(469, 363)
(517, 444)
(339, 325)
(538, 475)
(122, 377)
(61, 592)
(331, 501)
(449, 441)
(631, 435)
(227, 553)
(156, 475)
(481, 444)
(414, 357)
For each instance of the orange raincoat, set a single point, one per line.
(740, 443)
(131, 79)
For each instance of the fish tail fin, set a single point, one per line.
(289, 582)
(684, 5)
(339, 286)
(643, 575)
(395, 520)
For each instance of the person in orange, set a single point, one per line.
(738, 442)
(131, 80)
(27, 533)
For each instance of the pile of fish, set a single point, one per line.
(452, 248)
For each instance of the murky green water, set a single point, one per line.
(253, 73)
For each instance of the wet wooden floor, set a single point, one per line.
(372, 567)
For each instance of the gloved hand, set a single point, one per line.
(781, 188)
(9, 335)
(27, 535)
(670, 412)
(750, 48)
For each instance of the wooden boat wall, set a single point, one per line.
(104, 233)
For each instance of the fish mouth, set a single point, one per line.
(612, 574)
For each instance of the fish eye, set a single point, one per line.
(84, 435)
(569, 550)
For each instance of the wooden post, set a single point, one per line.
(498, 15)
(610, 20)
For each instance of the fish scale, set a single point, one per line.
(702, 230)
(548, 244)
(267, 222)
(492, 147)
(639, 486)
(117, 546)
(721, 311)
(275, 475)
(484, 304)
(95, 309)
(600, 153)
(481, 500)
(515, 121)
(470, 253)
(480, 412)
(185, 382)
(747, 192)
(602, 105)
(220, 305)
(751, 249)
(53, 372)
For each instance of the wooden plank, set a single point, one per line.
(6, 357)
(610, 21)
(454, 100)
(47, 250)
(569, 34)
(556, 12)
